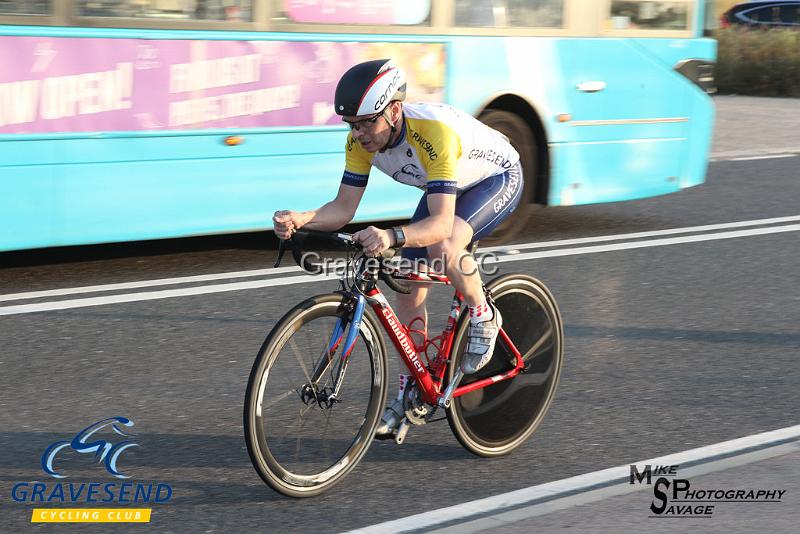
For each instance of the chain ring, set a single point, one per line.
(416, 411)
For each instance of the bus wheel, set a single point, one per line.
(523, 140)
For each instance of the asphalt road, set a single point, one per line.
(667, 348)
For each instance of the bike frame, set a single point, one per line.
(429, 376)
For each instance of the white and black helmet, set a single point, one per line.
(367, 88)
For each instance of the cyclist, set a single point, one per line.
(471, 177)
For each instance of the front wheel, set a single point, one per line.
(495, 420)
(300, 441)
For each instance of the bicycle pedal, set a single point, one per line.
(402, 430)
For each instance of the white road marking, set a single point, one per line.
(580, 483)
(154, 295)
(638, 235)
(644, 244)
(745, 156)
(771, 156)
(257, 284)
(509, 249)
(146, 283)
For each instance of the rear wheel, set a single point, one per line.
(299, 444)
(524, 142)
(495, 420)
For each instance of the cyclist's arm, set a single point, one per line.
(335, 213)
(342, 209)
(438, 226)
(441, 189)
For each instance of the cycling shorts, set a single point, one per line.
(483, 206)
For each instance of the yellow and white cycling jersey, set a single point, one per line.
(441, 150)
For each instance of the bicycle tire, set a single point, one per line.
(497, 419)
(268, 420)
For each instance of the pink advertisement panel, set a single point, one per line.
(51, 84)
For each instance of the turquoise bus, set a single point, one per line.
(143, 119)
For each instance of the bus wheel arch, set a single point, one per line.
(539, 154)
(516, 118)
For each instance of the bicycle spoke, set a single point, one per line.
(299, 359)
(277, 399)
(304, 411)
(299, 433)
(326, 356)
(325, 433)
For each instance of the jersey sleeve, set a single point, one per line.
(358, 163)
(442, 159)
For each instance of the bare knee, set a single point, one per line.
(447, 254)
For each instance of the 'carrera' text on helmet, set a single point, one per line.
(389, 92)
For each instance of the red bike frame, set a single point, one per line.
(429, 375)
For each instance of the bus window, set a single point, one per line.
(25, 7)
(400, 12)
(509, 13)
(638, 14)
(755, 15)
(790, 15)
(225, 10)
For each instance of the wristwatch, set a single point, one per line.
(399, 237)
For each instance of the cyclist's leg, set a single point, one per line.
(412, 305)
(460, 266)
(408, 308)
(489, 203)
(479, 210)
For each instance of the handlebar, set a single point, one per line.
(307, 237)
(393, 284)
(331, 240)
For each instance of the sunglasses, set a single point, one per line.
(369, 122)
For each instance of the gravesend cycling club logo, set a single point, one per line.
(103, 442)
(103, 450)
(675, 497)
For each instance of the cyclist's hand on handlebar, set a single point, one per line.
(286, 222)
(373, 240)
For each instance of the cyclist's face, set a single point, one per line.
(373, 131)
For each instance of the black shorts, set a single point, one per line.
(483, 206)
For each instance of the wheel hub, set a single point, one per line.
(324, 398)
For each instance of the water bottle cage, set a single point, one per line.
(422, 333)
(427, 343)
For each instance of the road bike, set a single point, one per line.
(317, 389)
